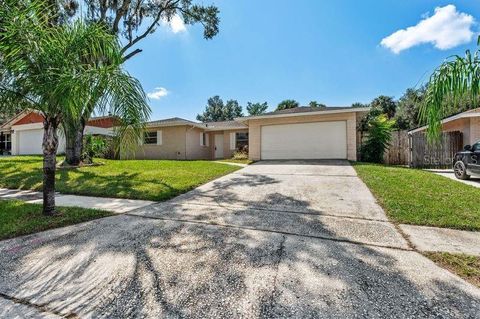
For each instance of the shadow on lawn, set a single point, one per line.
(127, 266)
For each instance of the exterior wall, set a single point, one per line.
(255, 128)
(474, 130)
(173, 144)
(462, 125)
(229, 149)
(194, 149)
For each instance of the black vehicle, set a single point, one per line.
(467, 162)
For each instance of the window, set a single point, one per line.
(150, 138)
(5, 142)
(476, 147)
(241, 141)
(204, 139)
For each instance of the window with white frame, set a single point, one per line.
(150, 138)
(241, 141)
(5, 142)
(203, 139)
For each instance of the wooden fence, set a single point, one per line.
(398, 151)
(439, 155)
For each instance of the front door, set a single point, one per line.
(218, 145)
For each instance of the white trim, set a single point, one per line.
(159, 138)
(343, 110)
(463, 115)
(30, 126)
(232, 141)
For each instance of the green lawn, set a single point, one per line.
(135, 179)
(465, 266)
(19, 218)
(418, 197)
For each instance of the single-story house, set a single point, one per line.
(298, 133)
(23, 134)
(466, 122)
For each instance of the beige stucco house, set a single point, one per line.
(299, 133)
(467, 122)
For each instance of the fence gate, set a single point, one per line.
(438, 155)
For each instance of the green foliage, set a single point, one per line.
(384, 105)
(408, 107)
(287, 104)
(454, 79)
(216, 110)
(20, 218)
(135, 20)
(314, 104)
(412, 196)
(379, 135)
(94, 146)
(240, 155)
(134, 179)
(256, 108)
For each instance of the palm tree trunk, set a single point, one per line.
(74, 144)
(50, 145)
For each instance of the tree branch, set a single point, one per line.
(120, 12)
(131, 54)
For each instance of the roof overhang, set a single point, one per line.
(459, 116)
(311, 113)
(8, 124)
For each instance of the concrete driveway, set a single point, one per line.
(276, 239)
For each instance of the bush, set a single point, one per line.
(94, 146)
(379, 136)
(240, 155)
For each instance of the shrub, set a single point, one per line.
(94, 146)
(240, 155)
(379, 135)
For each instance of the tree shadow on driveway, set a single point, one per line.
(159, 266)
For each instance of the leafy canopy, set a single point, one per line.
(287, 104)
(49, 68)
(256, 108)
(379, 136)
(455, 79)
(134, 20)
(216, 110)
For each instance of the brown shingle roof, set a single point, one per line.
(303, 109)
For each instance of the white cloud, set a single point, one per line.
(176, 24)
(445, 29)
(158, 93)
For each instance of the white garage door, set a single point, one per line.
(30, 142)
(319, 140)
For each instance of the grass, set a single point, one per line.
(418, 197)
(238, 161)
(135, 179)
(19, 218)
(465, 266)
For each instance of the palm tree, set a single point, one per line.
(47, 67)
(458, 77)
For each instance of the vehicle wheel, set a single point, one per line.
(460, 170)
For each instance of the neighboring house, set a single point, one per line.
(467, 122)
(299, 133)
(23, 134)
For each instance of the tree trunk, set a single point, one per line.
(74, 144)
(50, 145)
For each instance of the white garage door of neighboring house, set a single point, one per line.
(319, 140)
(30, 142)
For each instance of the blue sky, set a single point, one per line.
(329, 51)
